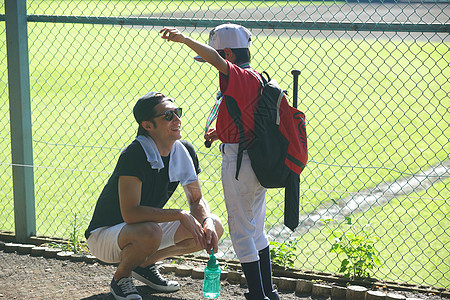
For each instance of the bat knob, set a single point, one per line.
(207, 144)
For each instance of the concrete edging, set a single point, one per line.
(311, 283)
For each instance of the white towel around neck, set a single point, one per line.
(181, 166)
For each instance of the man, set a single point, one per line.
(228, 51)
(129, 225)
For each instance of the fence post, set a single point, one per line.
(20, 118)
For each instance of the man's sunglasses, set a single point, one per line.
(168, 114)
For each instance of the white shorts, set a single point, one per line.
(104, 245)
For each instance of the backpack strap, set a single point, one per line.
(260, 77)
(235, 113)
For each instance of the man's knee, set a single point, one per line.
(151, 233)
(145, 236)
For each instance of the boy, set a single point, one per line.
(228, 51)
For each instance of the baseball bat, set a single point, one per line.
(295, 73)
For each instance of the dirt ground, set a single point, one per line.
(23, 276)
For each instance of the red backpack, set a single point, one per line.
(278, 150)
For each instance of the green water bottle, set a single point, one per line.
(211, 283)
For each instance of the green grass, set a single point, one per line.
(414, 239)
(376, 111)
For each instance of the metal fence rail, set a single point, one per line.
(374, 86)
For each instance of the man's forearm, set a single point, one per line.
(152, 214)
(199, 209)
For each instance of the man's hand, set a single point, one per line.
(211, 237)
(194, 227)
(172, 34)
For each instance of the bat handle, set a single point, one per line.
(295, 73)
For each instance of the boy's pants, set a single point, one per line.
(245, 200)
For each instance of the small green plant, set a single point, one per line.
(283, 254)
(225, 266)
(74, 243)
(179, 260)
(357, 246)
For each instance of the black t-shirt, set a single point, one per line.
(156, 186)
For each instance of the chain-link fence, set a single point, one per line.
(374, 86)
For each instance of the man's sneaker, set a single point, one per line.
(124, 289)
(151, 277)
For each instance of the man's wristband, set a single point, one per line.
(204, 220)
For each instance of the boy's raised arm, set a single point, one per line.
(208, 53)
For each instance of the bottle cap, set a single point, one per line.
(212, 262)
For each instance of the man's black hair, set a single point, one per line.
(144, 109)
